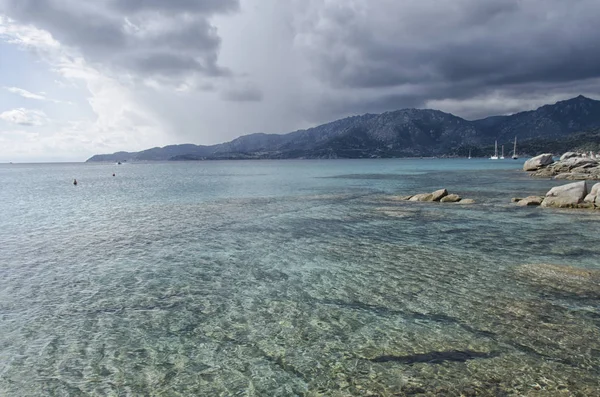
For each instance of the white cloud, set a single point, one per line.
(23, 116)
(119, 122)
(30, 95)
(25, 93)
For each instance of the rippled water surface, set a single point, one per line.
(291, 278)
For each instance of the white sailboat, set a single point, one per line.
(495, 156)
(469, 154)
(502, 157)
(514, 156)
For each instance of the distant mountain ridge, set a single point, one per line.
(401, 133)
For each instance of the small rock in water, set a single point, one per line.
(530, 201)
(422, 197)
(451, 198)
(467, 201)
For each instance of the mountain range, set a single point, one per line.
(401, 133)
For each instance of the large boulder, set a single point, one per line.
(439, 194)
(569, 155)
(538, 162)
(594, 196)
(566, 196)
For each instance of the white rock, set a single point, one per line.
(439, 194)
(566, 196)
(538, 162)
(568, 155)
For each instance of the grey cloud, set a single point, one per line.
(199, 6)
(243, 94)
(173, 64)
(447, 49)
(130, 35)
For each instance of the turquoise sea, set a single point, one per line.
(291, 278)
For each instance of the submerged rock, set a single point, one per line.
(561, 278)
(467, 201)
(538, 162)
(566, 196)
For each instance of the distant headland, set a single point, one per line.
(572, 124)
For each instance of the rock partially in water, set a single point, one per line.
(538, 162)
(439, 194)
(530, 201)
(594, 196)
(566, 196)
(568, 280)
(451, 198)
(572, 166)
(422, 197)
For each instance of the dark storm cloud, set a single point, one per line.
(137, 36)
(449, 49)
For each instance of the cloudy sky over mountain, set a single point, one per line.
(82, 77)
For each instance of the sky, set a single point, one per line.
(78, 78)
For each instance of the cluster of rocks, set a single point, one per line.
(441, 196)
(571, 166)
(572, 195)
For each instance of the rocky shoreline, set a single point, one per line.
(572, 195)
(571, 166)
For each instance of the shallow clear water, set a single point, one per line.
(289, 278)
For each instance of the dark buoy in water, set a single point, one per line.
(113, 174)
(75, 182)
